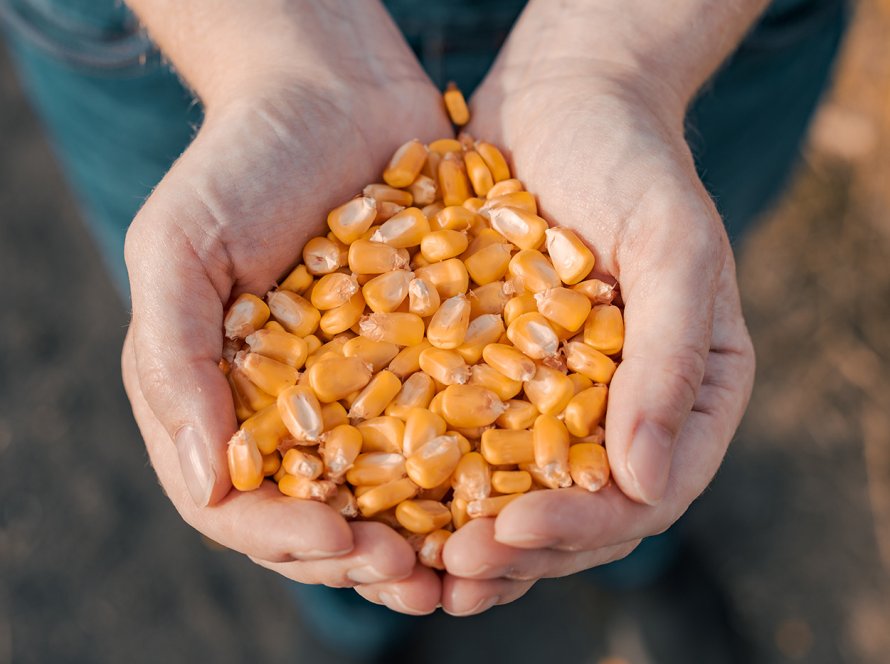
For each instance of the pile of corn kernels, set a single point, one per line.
(440, 352)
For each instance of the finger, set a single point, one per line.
(263, 523)
(417, 595)
(467, 597)
(379, 555)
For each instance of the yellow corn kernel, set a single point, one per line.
(509, 361)
(341, 447)
(604, 329)
(345, 316)
(445, 366)
(376, 353)
(370, 468)
(375, 396)
(520, 200)
(403, 230)
(369, 257)
(597, 437)
(384, 496)
(313, 343)
(580, 382)
(453, 218)
(274, 326)
(431, 210)
(321, 256)
(450, 277)
(482, 331)
(433, 462)
(431, 170)
(271, 376)
(459, 516)
(522, 228)
(456, 105)
(333, 415)
(421, 426)
(336, 377)
(453, 183)
(467, 406)
(382, 434)
(474, 204)
(408, 360)
(550, 390)
(464, 445)
(551, 445)
(343, 502)
(472, 477)
(385, 211)
(443, 244)
(507, 446)
(504, 187)
(278, 474)
(405, 164)
(417, 392)
(516, 306)
(247, 314)
(334, 347)
(564, 307)
(444, 145)
(598, 292)
(423, 298)
(401, 329)
(489, 507)
(478, 172)
(518, 415)
(511, 481)
(494, 380)
(531, 334)
(424, 190)
(422, 516)
(245, 462)
(590, 362)
(333, 290)
(266, 428)
(489, 299)
(448, 326)
(297, 315)
(494, 160)
(430, 551)
(384, 293)
(531, 271)
(271, 463)
(281, 346)
(247, 392)
(489, 263)
(589, 466)
(243, 411)
(298, 280)
(348, 221)
(384, 193)
(585, 411)
(303, 464)
(571, 257)
(301, 413)
(304, 488)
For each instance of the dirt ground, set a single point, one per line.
(95, 565)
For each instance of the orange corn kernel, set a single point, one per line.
(504, 187)
(443, 145)
(511, 362)
(424, 190)
(333, 290)
(531, 271)
(589, 465)
(551, 446)
(281, 346)
(408, 359)
(459, 516)
(456, 105)
(443, 244)
(495, 161)
(384, 293)
(271, 463)
(453, 183)
(403, 230)
(490, 263)
(345, 316)
(382, 434)
(313, 343)
(376, 353)
(297, 315)
(417, 392)
(511, 481)
(405, 164)
(448, 326)
(520, 200)
(507, 447)
(489, 299)
(445, 366)
(598, 292)
(321, 256)
(472, 477)
(336, 377)
(580, 382)
(384, 496)
(604, 329)
(247, 314)
(453, 218)
(433, 462)
(333, 415)
(550, 390)
(385, 212)
(478, 172)
(302, 464)
(271, 376)
(353, 218)
(489, 507)
(422, 516)
(375, 396)
(518, 415)
(266, 428)
(341, 447)
(371, 468)
(242, 409)
(450, 277)
(421, 426)
(590, 362)
(383, 193)
(247, 392)
(304, 488)
(430, 552)
(369, 257)
(571, 258)
(564, 307)
(467, 406)
(423, 298)
(586, 410)
(298, 280)
(531, 334)
(521, 304)
(245, 462)
(301, 413)
(401, 329)
(494, 380)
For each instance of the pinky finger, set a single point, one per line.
(417, 595)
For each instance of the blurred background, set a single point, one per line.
(792, 541)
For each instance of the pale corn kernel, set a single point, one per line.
(343, 502)
(444, 145)
(589, 466)
(271, 376)
(266, 428)
(520, 200)
(456, 105)
(494, 160)
(454, 218)
(247, 314)
(466, 406)
(333, 415)
(598, 292)
(375, 396)
(445, 366)
(296, 314)
(424, 190)
(340, 448)
(511, 481)
(448, 326)
(590, 362)
(518, 415)
(384, 496)
(532, 334)
(477, 171)
(430, 552)
(376, 353)
(382, 434)
(604, 329)
(472, 477)
(531, 271)
(459, 516)
(321, 256)
(298, 280)
(313, 343)
(580, 383)
(405, 164)
(370, 468)
(422, 516)
(333, 290)
(401, 329)
(551, 446)
(518, 305)
(489, 507)
(482, 331)
(450, 277)
(348, 221)
(571, 257)
(417, 392)
(279, 345)
(423, 298)
(245, 462)
(585, 411)
(433, 462)
(489, 299)
(385, 212)
(302, 464)
(510, 361)
(550, 390)
(343, 317)
(304, 488)
(369, 257)
(271, 463)
(564, 307)
(403, 230)
(507, 446)
(494, 380)
(443, 244)
(301, 413)
(421, 426)
(408, 359)
(252, 396)
(504, 187)
(384, 193)
(384, 293)
(336, 377)
(453, 183)
(490, 263)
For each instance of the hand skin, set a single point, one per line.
(597, 134)
(303, 107)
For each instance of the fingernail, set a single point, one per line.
(483, 605)
(366, 574)
(395, 603)
(526, 540)
(649, 461)
(194, 460)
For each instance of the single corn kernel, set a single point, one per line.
(531, 271)
(343, 502)
(490, 263)
(321, 256)
(518, 415)
(405, 164)
(511, 481)
(333, 415)
(478, 172)
(403, 230)
(433, 462)
(247, 391)
(443, 244)
(408, 359)
(385, 212)
(301, 413)
(443, 145)
(422, 516)
(448, 327)
(531, 334)
(383, 193)
(266, 428)
(302, 464)
(507, 447)
(417, 392)
(453, 183)
(303, 488)
(423, 298)
(375, 396)
(349, 221)
(297, 315)
(247, 314)
(456, 105)
(511, 362)
(376, 353)
(384, 496)
(467, 406)
(245, 462)
(585, 411)
(489, 299)
(589, 466)
(271, 376)
(341, 447)
(571, 257)
(298, 280)
(445, 366)
(459, 516)
(384, 293)
(370, 468)
(335, 377)
(598, 292)
(551, 445)
(521, 304)
(333, 290)
(472, 477)
(482, 331)
(271, 463)
(453, 218)
(604, 329)
(401, 329)
(564, 307)
(550, 390)
(369, 257)
(424, 190)
(489, 507)
(430, 552)
(590, 362)
(520, 200)
(504, 187)
(494, 380)
(382, 434)
(580, 382)
(279, 345)
(450, 277)
(343, 317)
(522, 228)
(494, 160)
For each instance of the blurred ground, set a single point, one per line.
(97, 567)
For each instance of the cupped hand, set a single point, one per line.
(606, 156)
